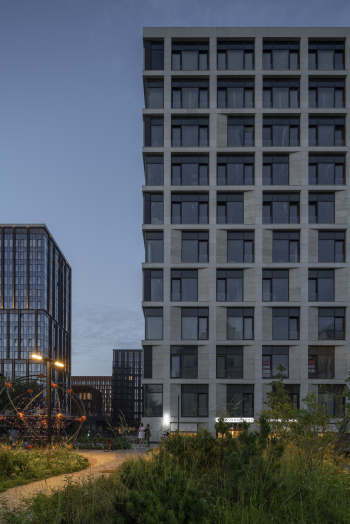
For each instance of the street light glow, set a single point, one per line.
(38, 357)
(59, 364)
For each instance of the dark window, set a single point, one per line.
(281, 208)
(147, 361)
(272, 357)
(154, 94)
(154, 55)
(183, 362)
(331, 246)
(235, 93)
(276, 170)
(281, 131)
(240, 323)
(235, 55)
(154, 246)
(189, 170)
(321, 285)
(190, 132)
(281, 93)
(229, 285)
(190, 93)
(275, 285)
(154, 323)
(321, 208)
(285, 324)
(194, 323)
(331, 323)
(229, 362)
(280, 54)
(286, 246)
(230, 208)
(240, 246)
(326, 55)
(240, 131)
(189, 56)
(332, 398)
(153, 285)
(321, 362)
(195, 246)
(153, 400)
(327, 170)
(184, 285)
(234, 170)
(154, 131)
(154, 170)
(240, 400)
(194, 400)
(153, 208)
(326, 92)
(326, 131)
(189, 208)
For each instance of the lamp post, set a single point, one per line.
(49, 362)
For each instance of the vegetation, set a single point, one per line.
(98, 442)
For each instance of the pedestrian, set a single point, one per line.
(147, 435)
(141, 435)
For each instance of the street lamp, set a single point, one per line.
(49, 362)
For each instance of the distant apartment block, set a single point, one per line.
(127, 387)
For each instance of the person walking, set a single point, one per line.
(147, 435)
(141, 435)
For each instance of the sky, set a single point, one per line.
(71, 102)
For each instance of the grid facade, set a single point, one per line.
(126, 387)
(98, 403)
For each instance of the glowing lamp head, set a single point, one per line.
(36, 356)
(59, 364)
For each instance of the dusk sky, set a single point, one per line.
(71, 138)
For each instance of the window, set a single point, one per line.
(281, 131)
(331, 246)
(190, 132)
(154, 170)
(230, 208)
(154, 131)
(194, 400)
(154, 55)
(153, 208)
(321, 208)
(234, 170)
(272, 357)
(332, 398)
(189, 170)
(147, 361)
(235, 55)
(240, 400)
(275, 285)
(331, 323)
(235, 93)
(153, 400)
(190, 93)
(229, 285)
(154, 246)
(321, 285)
(326, 92)
(240, 323)
(280, 54)
(194, 323)
(281, 93)
(321, 362)
(281, 208)
(240, 246)
(189, 56)
(240, 131)
(229, 362)
(154, 94)
(154, 323)
(285, 324)
(327, 170)
(153, 285)
(189, 208)
(326, 55)
(276, 170)
(183, 362)
(184, 285)
(195, 246)
(326, 131)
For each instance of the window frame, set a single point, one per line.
(247, 161)
(225, 275)
(246, 237)
(181, 275)
(202, 237)
(334, 233)
(269, 198)
(245, 46)
(289, 240)
(315, 275)
(199, 313)
(178, 48)
(313, 361)
(145, 396)
(244, 84)
(293, 314)
(314, 199)
(335, 160)
(243, 312)
(271, 84)
(156, 159)
(186, 404)
(180, 351)
(271, 275)
(178, 123)
(274, 160)
(179, 199)
(338, 47)
(269, 46)
(180, 160)
(222, 204)
(270, 351)
(230, 351)
(201, 84)
(243, 410)
(336, 313)
(244, 122)
(269, 124)
(338, 123)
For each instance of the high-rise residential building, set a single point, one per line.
(127, 387)
(95, 392)
(35, 310)
(245, 202)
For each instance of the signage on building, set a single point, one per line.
(237, 420)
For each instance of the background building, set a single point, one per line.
(127, 387)
(101, 403)
(246, 212)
